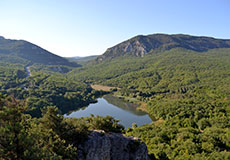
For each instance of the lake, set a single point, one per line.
(115, 107)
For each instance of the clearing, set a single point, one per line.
(103, 88)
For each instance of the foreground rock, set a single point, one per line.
(112, 146)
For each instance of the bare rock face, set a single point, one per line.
(112, 146)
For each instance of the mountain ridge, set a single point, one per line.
(155, 43)
(31, 53)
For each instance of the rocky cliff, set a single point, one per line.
(112, 146)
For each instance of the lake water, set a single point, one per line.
(115, 107)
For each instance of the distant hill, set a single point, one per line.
(20, 51)
(82, 59)
(155, 43)
(73, 58)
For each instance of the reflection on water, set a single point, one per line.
(123, 105)
(115, 107)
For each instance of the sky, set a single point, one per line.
(88, 27)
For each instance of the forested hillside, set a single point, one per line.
(20, 51)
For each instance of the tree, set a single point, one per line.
(16, 142)
(52, 129)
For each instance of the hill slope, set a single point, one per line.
(20, 51)
(155, 43)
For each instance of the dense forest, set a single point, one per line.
(45, 88)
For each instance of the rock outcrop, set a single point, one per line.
(112, 146)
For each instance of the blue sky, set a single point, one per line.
(89, 27)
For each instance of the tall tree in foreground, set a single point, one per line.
(16, 141)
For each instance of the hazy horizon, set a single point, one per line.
(84, 28)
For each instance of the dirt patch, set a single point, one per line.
(103, 88)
